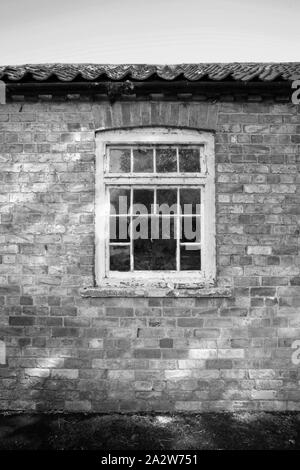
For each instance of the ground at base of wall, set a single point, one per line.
(243, 430)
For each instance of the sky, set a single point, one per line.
(152, 31)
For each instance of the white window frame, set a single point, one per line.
(205, 180)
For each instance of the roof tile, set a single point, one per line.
(212, 71)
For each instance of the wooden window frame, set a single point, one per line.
(205, 180)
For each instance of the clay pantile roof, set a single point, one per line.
(243, 72)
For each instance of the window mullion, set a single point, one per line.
(131, 230)
(131, 160)
(177, 233)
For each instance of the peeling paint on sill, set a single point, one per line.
(155, 289)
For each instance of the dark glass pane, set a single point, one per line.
(119, 160)
(119, 200)
(142, 200)
(143, 160)
(190, 229)
(167, 200)
(190, 200)
(141, 227)
(151, 255)
(163, 228)
(119, 229)
(190, 258)
(189, 160)
(119, 258)
(166, 160)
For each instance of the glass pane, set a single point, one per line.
(141, 227)
(190, 201)
(142, 200)
(154, 255)
(153, 228)
(189, 160)
(119, 160)
(119, 229)
(163, 228)
(166, 160)
(119, 258)
(143, 160)
(190, 229)
(166, 201)
(119, 200)
(190, 258)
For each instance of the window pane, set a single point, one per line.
(190, 258)
(119, 258)
(189, 160)
(190, 200)
(143, 160)
(153, 228)
(119, 229)
(167, 200)
(119, 200)
(190, 229)
(141, 227)
(142, 200)
(166, 160)
(119, 160)
(154, 255)
(163, 228)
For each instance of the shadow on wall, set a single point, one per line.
(47, 223)
(47, 244)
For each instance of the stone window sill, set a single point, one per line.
(155, 289)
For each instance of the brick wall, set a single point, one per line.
(78, 354)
